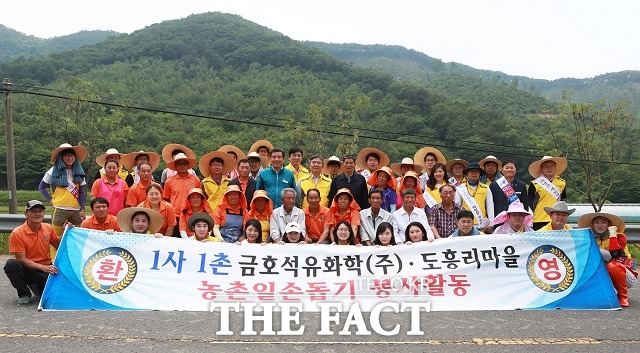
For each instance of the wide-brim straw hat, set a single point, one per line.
(422, 153)
(560, 206)
(586, 220)
(101, 159)
(450, 163)
(260, 143)
(168, 150)
(491, 158)
(397, 167)
(227, 166)
(124, 218)
(561, 165)
(373, 179)
(263, 160)
(80, 151)
(361, 159)
(235, 149)
(181, 156)
(473, 166)
(334, 159)
(199, 216)
(129, 160)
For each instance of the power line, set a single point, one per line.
(364, 129)
(335, 133)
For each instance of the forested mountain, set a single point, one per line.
(214, 79)
(456, 79)
(14, 44)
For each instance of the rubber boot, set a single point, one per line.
(618, 274)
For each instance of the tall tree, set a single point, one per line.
(596, 138)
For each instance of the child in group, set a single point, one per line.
(293, 234)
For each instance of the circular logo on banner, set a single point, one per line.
(550, 269)
(110, 270)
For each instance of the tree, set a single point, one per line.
(596, 137)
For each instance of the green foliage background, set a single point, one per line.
(216, 79)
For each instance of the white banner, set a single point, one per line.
(123, 271)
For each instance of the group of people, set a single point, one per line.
(354, 200)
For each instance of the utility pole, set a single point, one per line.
(11, 156)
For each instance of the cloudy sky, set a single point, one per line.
(542, 39)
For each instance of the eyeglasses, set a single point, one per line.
(343, 229)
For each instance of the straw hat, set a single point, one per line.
(234, 149)
(80, 151)
(397, 167)
(129, 160)
(335, 159)
(101, 159)
(227, 160)
(361, 160)
(172, 164)
(125, 215)
(450, 163)
(199, 216)
(168, 150)
(260, 143)
(586, 220)
(560, 206)
(419, 157)
(373, 179)
(561, 165)
(263, 160)
(491, 158)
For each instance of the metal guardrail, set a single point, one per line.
(8, 222)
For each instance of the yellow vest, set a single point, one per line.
(546, 200)
(215, 192)
(324, 185)
(480, 196)
(604, 244)
(298, 175)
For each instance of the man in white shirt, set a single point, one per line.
(370, 218)
(409, 213)
(285, 214)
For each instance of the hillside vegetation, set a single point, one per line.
(215, 79)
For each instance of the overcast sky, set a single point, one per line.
(536, 38)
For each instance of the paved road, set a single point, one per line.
(27, 329)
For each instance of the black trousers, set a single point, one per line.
(20, 276)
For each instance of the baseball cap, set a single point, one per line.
(292, 227)
(34, 203)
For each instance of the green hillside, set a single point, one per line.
(14, 44)
(464, 81)
(214, 79)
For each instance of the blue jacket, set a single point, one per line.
(273, 183)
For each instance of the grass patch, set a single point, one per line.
(634, 249)
(4, 243)
(22, 196)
